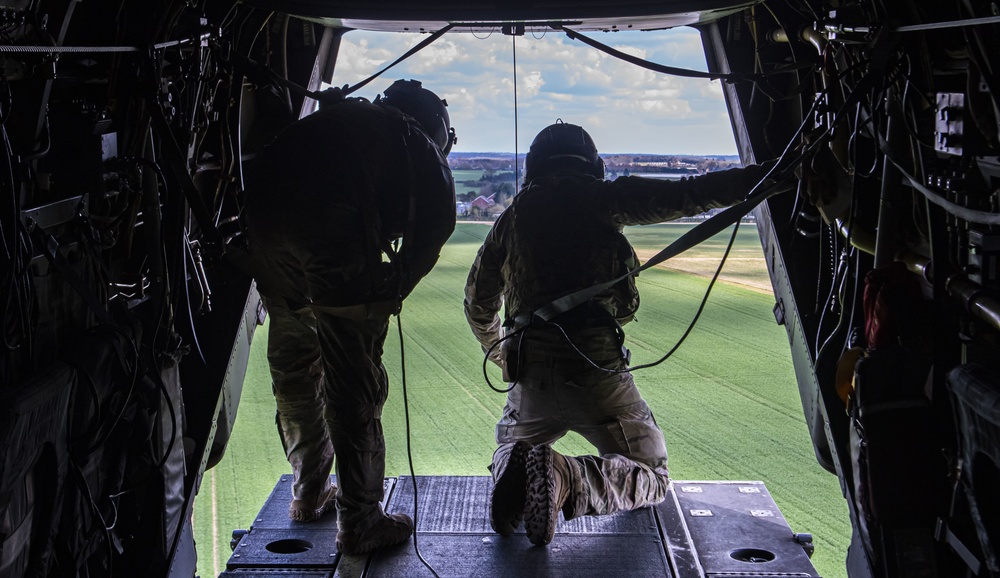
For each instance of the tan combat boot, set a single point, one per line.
(389, 530)
(548, 489)
(306, 510)
(507, 498)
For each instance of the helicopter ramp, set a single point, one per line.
(703, 529)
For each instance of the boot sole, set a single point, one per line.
(540, 509)
(509, 492)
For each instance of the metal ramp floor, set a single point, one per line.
(702, 529)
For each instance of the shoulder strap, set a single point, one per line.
(699, 233)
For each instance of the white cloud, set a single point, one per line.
(441, 54)
(712, 90)
(532, 83)
(625, 107)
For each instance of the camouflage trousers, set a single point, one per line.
(555, 394)
(329, 386)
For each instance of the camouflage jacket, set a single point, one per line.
(563, 234)
(329, 195)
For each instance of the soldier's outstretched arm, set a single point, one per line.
(644, 201)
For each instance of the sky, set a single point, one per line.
(625, 108)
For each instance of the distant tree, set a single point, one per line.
(478, 213)
(504, 189)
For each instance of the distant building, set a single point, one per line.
(483, 203)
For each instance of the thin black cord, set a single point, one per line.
(585, 357)
(690, 327)
(409, 450)
(520, 332)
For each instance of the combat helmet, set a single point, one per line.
(425, 107)
(562, 146)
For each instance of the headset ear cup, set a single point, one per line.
(451, 140)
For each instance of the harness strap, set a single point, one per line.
(699, 233)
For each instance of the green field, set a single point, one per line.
(461, 177)
(727, 400)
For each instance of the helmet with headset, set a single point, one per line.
(429, 110)
(562, 147)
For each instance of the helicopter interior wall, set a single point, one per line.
(975, 390)
(125, 166)
(83, 427)
(863, 218)
(395, 16)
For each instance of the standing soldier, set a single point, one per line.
(334, 193)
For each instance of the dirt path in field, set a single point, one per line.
(749, 272)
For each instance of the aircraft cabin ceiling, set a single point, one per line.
(470, 16)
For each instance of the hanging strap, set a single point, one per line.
(260, 73)
(759, 79)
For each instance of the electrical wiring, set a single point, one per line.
(99, 422)
(189, 257)
(17, 280)
(533, 31)
(158, 380)
(164, 319)
(488, 34)
(81, 479)
(835, 296)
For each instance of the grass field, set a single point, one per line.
(727, 400)
(463, 176)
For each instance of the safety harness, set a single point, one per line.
(767, 187)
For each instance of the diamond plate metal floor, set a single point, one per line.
(703, 529)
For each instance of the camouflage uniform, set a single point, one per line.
(562, 234)
(331, 192)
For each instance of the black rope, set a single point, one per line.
(409, 449)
